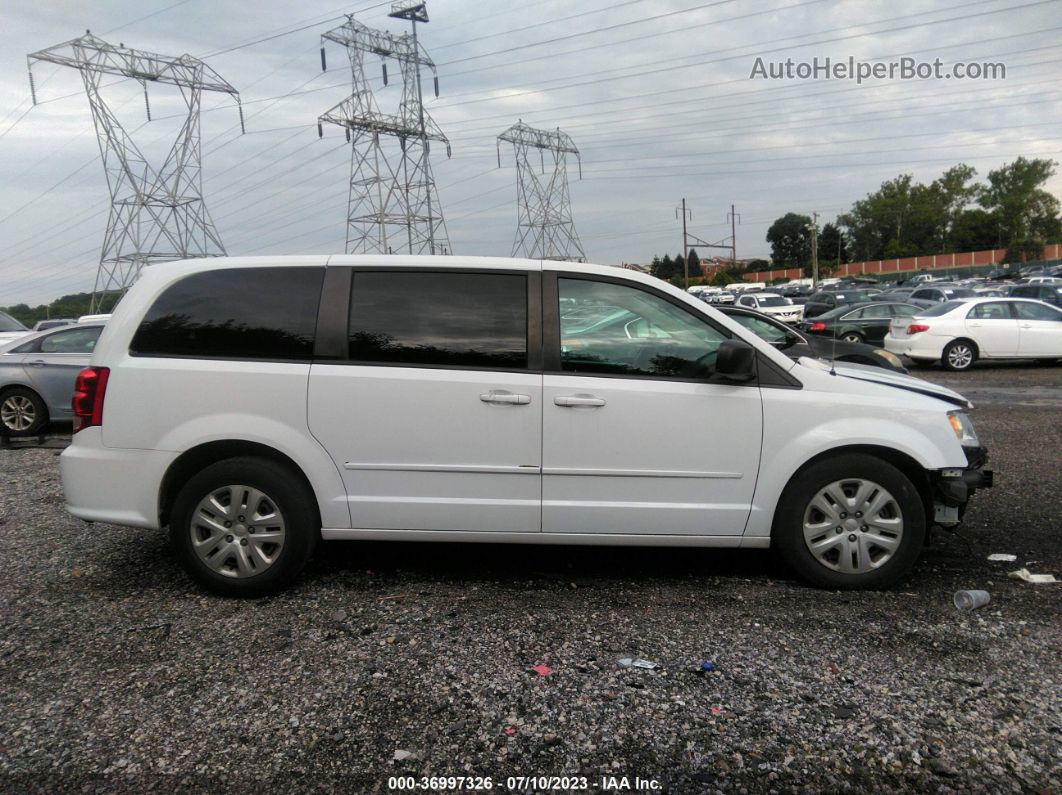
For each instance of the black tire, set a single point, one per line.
(953, 357)
(852, 336)
(18, 404)
(787, 534)
(289, 496)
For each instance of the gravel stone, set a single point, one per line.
(118, 675)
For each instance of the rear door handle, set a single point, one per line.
(38, 363)
(501, 397)
(1026, 325)
(574, 401)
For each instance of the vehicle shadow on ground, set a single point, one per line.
(519, 562)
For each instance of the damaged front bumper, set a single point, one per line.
(953, 488)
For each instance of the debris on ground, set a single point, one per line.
(1003, 557)
(1025, 576)
(971, 600)
(402, 755)
(635, 662)
(542, 670)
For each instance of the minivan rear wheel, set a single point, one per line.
(244, 526)
(850, 522)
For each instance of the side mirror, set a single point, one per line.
(736, 361)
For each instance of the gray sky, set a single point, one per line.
(661, 108)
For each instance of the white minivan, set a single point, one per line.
(256, 405)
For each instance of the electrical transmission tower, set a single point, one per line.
(393, 203)
(157, 214)
(544, 229)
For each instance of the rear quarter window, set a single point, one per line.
(235, 313)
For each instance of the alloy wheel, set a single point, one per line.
(18, 413)
(238, 531)
(853, 526)
(960, 356)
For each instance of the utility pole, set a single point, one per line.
(734, 219)
(685, 242)
(814, 229)
(157, 211)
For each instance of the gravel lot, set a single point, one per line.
(116, 675)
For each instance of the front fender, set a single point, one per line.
(794, 434)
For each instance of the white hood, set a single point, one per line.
(880, 375)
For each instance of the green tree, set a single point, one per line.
(833, 247)
(694, 260)
(790, 240)
(1016, 197)
(975, 230)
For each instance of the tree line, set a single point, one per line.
(905, 218)
(72, 306)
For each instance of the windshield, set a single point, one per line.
(940, 309)
(763, 329)
(774, 300)
(8, 323)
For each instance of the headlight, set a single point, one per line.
(890, 357)
(964, 430)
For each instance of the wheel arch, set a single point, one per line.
(970, 340)
(910, 467)
(203, 455)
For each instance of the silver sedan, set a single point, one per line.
(37, 375)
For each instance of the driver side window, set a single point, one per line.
(620, 330)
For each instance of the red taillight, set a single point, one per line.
(916, 328)
(817, 327)
(89, 389)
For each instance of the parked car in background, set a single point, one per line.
(798, 294)
(825, 301)
(1055, 280)
(794, 343)
(721, 297)
(958, 333)
(255, 406)
(859, 322)
(11, 329)
(938, 294)
(37, 376)
(919, 280)
(1049, 293)
(773, 305)
(55, 322)
(896, 294)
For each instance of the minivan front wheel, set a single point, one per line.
(244, 526)
(850, 522)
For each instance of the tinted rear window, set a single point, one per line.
(940, 309)
(439, 319)
(235, 313)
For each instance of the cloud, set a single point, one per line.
(661, 109)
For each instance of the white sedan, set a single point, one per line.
(774, 305)
(958, 333)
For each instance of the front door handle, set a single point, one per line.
(1026, 325)
(575, 401)
(505, 398)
